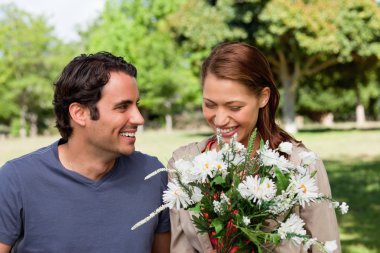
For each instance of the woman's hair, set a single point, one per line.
(245, 64)
(82, 81)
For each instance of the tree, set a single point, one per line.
(198, 26)
(138, 30)
(303, 38)
(27, 49)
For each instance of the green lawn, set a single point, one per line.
(352, 159)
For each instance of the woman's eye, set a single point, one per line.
(235, 108)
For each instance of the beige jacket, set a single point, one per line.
(321, 222)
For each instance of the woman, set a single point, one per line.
(239, 95)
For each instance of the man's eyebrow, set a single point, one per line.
(123, 102)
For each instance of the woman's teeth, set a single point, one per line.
(226, 130)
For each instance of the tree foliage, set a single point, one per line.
(304, 38)
(139, 31)
(325, 54)
(28, 63)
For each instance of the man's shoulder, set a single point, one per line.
(140, 159)
(31, 159)
(139, 156)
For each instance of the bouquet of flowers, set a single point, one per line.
(236, 195)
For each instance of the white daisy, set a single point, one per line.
(308, 158)
(186, 171)
(196, 194)
(330, 246)
(268, 156)
(246, 220)
(234, 152)
(308, 243)
(284, 165)
(205, 165)
(251, 188)
(344, 208)
(334, 204)
(306, 188)
(248, 186)
(286, 147)
(301, 169)
(291, 227)
(175, 196)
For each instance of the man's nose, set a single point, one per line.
(137, 117)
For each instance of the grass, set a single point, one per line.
(352, 159)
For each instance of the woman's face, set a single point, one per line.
(231, 107)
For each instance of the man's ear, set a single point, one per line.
(264, 97)
(78, 113)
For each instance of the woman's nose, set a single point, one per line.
(221, 118)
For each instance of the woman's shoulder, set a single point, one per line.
(297, 150)
(299, 147)
(191, 149)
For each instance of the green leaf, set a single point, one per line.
(218, 180)
(196, 208)
(282, 180)
(252, 236)
(218, 225)
(251, 143)
(201, 224)
(313, 173)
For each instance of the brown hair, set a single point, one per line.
(82, 81)
(245, 64)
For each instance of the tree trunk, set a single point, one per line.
(289, 115)
(360, 111)
(360, 115)
(33, 125)
(327, 119)
(22, 131)
(168, 117)
(289, 82)
(168, 123)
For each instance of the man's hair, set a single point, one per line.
(82, 81)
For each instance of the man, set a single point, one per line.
(84, 192)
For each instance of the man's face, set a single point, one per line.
(114, 132)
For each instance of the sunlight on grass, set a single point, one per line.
(352, 160)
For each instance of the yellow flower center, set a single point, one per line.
(303, 187)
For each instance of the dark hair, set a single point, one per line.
(245, 64)
(82, 81)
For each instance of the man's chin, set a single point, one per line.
(127, 152)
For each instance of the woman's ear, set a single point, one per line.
(78, 113)
(264, 97)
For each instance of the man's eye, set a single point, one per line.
(209, 105)
(122, 107)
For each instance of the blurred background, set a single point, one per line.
(324, 55)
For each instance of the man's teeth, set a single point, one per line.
(227, 130)
(128, 134)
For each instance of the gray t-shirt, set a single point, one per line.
(47, 208)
